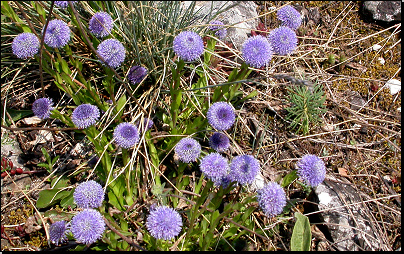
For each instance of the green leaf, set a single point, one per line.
(49, 197)
(18, 114)
(114, 201)
(119, 105)
(68, 200)
(289, 178)
(301, 236)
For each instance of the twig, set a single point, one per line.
(38, 128)
(128, 240)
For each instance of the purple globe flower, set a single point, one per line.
(164, 222)
(63, 4)
(58, 232)
(57, 34)
(188, 45)
(112, 51)
(283, 40)
(290, 17)
(215, 167)
(136, 74)
(311, 169)
(148, 123)
(100, 24)
(217, 26)
(221, 115)
(188, 150)
(87, 226)
(42, 107)
(25, 45)
(126, 135)
(88, 195)
(272, 199)
(257, 51)
(219, 142)
(85, 115)
(244, 169)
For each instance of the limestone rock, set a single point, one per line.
(242, 17)
(386, 11)
(346, 217)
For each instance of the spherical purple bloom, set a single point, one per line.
(112, 51)
(57, 34)
(58, 232)
(272, 199)
(25, 45)
(244, 169)
(148, 123)
(215, 167)
(136, 74)
(283, 40)
(219, 142)
(188, 150)
(311, 169)
(88, 195)
(85, 115)
(87, 226)
(221, 115)
(217, 26)
(188, 45)
(164, 222)
(126, 135)
(290, 17)
(257, 51)
(100, 24)
(42, 107)
(63, 4)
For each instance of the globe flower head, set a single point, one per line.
(188, 45)
(215, 167)
(272, 199)
(58, 232)
(217, 26)
(57, 34)
(126, 135)
(87, 226)
(63, 4)
(311, 169)
(188, 150)
(148, 123)
(290, 17)
(100, 24)
(136, 74)
(221, 115)
(257, 51)
(112, 51)
(25, 45)
(88, 195)
(283, 40)
(219, 142)
(244, 169)
(42, 107)
(164, 222)
(85, 115)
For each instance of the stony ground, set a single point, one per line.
(360, 147)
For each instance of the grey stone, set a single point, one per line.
(386, 11)
(347, 217)
(242, 17)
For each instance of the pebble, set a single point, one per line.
(381, 60)
(376, 47)
(394, 85)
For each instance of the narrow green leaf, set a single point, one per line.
(289, 178)
(301, 236)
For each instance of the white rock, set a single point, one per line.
(32, 120)
(324, 198)
(43, 136)
(399, 109)
(394, 85)
(376, 47)
(258, 183)
(381, 60)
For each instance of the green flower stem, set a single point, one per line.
(176, 94)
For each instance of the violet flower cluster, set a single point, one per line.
(126, 135)
(57, 34)
(217, 27)
(89, 195)
(25, 45)
(42, 107)
(164, 223)
(58, 232)
(87, 226)
(188, 45)
(188, 150)
(290, 17)
(219, 142)
(100, 24)
(311, 169)
(85, 115)
(221, 115)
